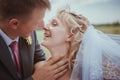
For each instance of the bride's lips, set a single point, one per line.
(47, 35)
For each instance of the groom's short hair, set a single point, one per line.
(20, 8)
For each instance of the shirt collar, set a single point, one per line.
(7, 39)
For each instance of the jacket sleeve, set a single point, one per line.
(38, 53)
(29, 78)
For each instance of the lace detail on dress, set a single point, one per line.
(110, 71)
(96, 70)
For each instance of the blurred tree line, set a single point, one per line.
(110, 28)
(114, 24)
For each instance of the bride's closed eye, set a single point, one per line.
(54, 23)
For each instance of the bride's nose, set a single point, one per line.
(45, 27)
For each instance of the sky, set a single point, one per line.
(97, 11)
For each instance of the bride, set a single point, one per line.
(96, 55)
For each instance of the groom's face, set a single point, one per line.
(23, 26)
(35, 20)
(55, 34)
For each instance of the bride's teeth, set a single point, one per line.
(46, 35)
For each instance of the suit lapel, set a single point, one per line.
(6, 59)
(25, 57)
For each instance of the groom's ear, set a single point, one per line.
(70, 37)
(13, 23)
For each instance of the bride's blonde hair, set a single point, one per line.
(76, 25)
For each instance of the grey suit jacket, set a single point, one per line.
(29, 55)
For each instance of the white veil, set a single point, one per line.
(89, 59)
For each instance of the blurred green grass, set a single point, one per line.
(109, 29)
(40, 39)
(105, 29)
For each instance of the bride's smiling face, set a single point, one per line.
(55, 34)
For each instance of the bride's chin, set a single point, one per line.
(45, 45)
(42, 43)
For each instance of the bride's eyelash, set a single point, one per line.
(54, 23)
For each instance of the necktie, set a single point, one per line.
(14, 48)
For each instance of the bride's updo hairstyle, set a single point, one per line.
(76, 25)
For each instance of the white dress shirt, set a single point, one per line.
(8, 41)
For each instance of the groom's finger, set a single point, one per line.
(60, 63)
(61, 68)
(58, 75)
(54, 60)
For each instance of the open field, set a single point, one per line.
(109, 29)
(105, 29)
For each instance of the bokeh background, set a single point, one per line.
(103, 14)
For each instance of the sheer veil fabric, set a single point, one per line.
(95, 51)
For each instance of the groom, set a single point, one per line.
(20, 58)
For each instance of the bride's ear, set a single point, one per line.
(69, 38)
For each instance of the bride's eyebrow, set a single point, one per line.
(54, 21)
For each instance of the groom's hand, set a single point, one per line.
(50, 69)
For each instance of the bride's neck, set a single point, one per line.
(60, 50)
